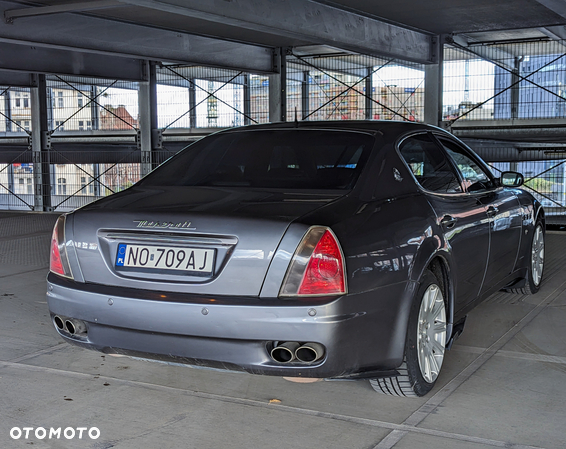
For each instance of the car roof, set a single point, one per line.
(389, 128)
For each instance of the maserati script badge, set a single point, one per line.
(164, 224)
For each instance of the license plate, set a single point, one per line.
(196, 260)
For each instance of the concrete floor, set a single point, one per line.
(502, 385)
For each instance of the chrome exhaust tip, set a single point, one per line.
(75, 327)
(284, 352)
(59, 324)
(70, 327)
(309, 352)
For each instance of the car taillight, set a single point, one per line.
(58, 261)
(317, 267)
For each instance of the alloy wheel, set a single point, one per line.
(537, 256)
(431, 338)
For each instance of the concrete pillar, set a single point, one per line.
(433, 87)
(40, 145)
(148, 133)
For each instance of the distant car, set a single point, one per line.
(306, 250)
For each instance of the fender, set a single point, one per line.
(430, 250)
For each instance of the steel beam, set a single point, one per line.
(192, 104)
(369, 93)
(28, 58)
(305, 94)
(247, 100)
(40, 145)
(278, 88)
(308, 20)
(8, 111)
(104, 36)
(94, 109)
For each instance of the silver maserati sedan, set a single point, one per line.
(306, 250)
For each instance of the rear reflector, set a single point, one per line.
(58, 261)
(317, 267)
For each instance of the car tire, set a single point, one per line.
(424, 346)
(535, 268)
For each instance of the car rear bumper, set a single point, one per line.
(362, 334)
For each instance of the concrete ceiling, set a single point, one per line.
(240, 34)
(464, 16)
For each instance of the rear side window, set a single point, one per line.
(302, 159)
(429, 164)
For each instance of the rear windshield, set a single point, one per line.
(290, 159)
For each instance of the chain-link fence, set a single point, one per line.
(509, 80)
(481, 82)
(353, 87)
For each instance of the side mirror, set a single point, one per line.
(511, 179)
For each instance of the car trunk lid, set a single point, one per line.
(230, 234)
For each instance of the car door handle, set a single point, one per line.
(448, 221)
(492, 211)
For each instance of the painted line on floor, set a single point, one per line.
(48, 350)
(443, 394)
(529, 356)
(44, 268)
(402, 428)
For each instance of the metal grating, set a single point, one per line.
(514, 80)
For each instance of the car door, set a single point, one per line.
(461, 217)
(503, 209)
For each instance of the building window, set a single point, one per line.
(26, 125)
(60, 99)
(91, 187)
(60, 126)
(61, 186)
(80, 99)
(83, 185)
(81, 125)
(26, 102)
(89, 125)
(18, 102)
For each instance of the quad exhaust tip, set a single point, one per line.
(70, 326)
(290, 351)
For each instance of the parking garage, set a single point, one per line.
(95, 95)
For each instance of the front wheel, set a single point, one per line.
(424, 346)
(534, 277)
